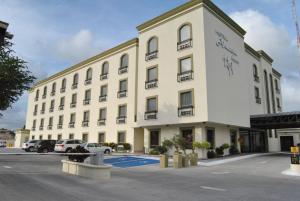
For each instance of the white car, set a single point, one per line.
(92, 147)
(29, 146)
(66, 145)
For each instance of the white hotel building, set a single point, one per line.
(188, 72)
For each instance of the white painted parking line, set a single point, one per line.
(8, 167)
(213, 188)
(217, 173)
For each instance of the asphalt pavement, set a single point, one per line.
(39, 178)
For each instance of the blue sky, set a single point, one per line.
(52, 35)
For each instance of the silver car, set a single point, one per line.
(93, 147)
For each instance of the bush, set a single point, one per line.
(233, 150)
(105, 144)
(211, 154)
(153, 152)
(78, 158)
(112, 145)
(225, 146)
(201, 145)
(167, 143)
(220, 151)
(127, 146)
(161, 149)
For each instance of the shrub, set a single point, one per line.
(161, 149)
(211, 154)
(233, 150)
(78, 158)
(105, 144)
(220, 151)
(225, 146)
(112, 145)
(167, 143)
(127, 146)
(153, 152)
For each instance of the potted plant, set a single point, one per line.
(203, 146)
(194, 155)
(226, 148)
(177, 157)
(220, 151)
(166, 146)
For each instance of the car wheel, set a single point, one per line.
(45, 150)
(31, 149)
(107, 151)
(68, 150)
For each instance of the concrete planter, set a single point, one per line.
(177, 160)
(193, 159)
(185, 160)
(164, 161)
(97, 172)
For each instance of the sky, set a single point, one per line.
(55, 34)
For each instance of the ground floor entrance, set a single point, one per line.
(253, 141)
(286, 142)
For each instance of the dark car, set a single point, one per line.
(45, 146)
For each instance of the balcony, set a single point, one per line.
(71, 124)
(59, 126)
(122, 94)
(87, 82)
(104, 76)
(184, 76)
(33, 128)
(151, 55)
(72, 105)
(184, 44)
(51, 109)
(123, 69)
(52, 93)
(150, 115)
(42, 111)
(41, 128)
(256, 78)
(49, 127)
(151, 84)
(185, 111)
(102, 98)
(44, 96)
(86, 101)
(61, 107)
(258, 100)
(74, 86)
(101, 122)
(62, 90)
(85, 123)
(121, 120)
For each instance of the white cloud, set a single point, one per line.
(264, 34)
(77, 47)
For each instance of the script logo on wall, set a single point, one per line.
(229, 57)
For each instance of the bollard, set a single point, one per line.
(97, 158)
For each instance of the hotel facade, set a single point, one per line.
(188, 72)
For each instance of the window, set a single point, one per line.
(71, 136)
(87, 97)
(255, 73)
(45, 92)
(74, 100)
(257, 96)
(122, 112)
(72, 120)
(122, 89)
(33, 137)
(187, 134)
(60, 121)
(186, 107)
(85, 137)
(40, 137)
(101, 138)
(123, 64)
(210, 137)
(33, 125)
(49, 137)
(152, 49)
(43, 108)
(185, 69)
(63, 85)
(104, 71)
(233, 137)
(89, 74)
(41, 124)
(75, 81)
(185, 33)
(86, 118)
(102, 113)
(52, 105)
(50, 123)
(151, 104)
(37, 93)
(154, 138)
(35, 110)
(59, 137)
(53, 89)
(103, 93)
(278, 104)
(151, 81)
(277, 86)
(62, 103)
(121, 137)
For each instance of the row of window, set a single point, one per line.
(258, 98)
(88, 80)
(256, 78)
(121, 138)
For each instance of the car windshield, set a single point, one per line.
(32, 141)
(60, 142)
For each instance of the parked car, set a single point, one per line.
(66, 145)
(45, 146)
(2, 143)
(29, 146)
(92, 147)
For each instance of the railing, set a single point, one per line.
(104, 76)
(258, 100)
(184, 44)
(41, 128)
(86, 101)
(101, 122)
(52, 93)
(33, 128)
(122, 94)
(61, 107)
(87, 82)
(256, 78)
(49, 127)
(71, 124)
(72, 105)
(123, 69)
(121, 120)
(184, 76)
(102, 98)
(42, 111)
(35, 113)
(151, 84)
(186, 111)
(51, 109)
(44, 96)
(150, 115)
(151, 55)
(59, 126)
(85, 124)
(62, 90)
(74, 86)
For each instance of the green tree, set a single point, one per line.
(15, 78)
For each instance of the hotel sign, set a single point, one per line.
(229, 56)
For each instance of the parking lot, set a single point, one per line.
(40, 178)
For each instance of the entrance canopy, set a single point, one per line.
(276, 120)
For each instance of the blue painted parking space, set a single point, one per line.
(129, 161)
